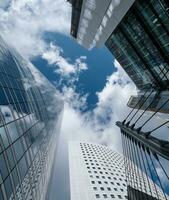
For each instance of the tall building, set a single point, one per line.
(97, 172)
(140, 44)
(30, 117)
(137, 34)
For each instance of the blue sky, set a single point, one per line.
(99, 62)
(93, 85)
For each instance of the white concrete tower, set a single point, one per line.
(96, 172)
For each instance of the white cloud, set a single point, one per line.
(25, 21)
(53, 55)
(80, 64)
(24, 24)
(99, 125)
(74, 100)
(114, 96)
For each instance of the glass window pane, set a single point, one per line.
(3, 167)
(8, 187)
(4, 138)
(18, 149)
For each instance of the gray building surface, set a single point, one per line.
(30, 118)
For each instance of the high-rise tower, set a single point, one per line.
(97, 172)
(30, 116)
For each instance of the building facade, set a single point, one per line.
(140, 43)
(30, 117)
(94, 21)
(97, 172)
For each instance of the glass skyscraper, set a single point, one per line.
(30, 117)
(140, 43)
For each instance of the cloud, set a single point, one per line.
(4, 4)
(23, 25)
(74, 100)
(99, 125)
(113, 98)
(25, 21)
(53, 55)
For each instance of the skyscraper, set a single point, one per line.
(140, 44)
(30, 117)
(137, 34)
(97, 172)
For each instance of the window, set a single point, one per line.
(8, 187)
(10, 158)
(105, 196)
(4, 137)
(95, 188)
(3, 167)
(97, 196)
(18, 149)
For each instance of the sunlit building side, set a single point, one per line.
(30, 118)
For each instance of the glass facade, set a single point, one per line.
(30, 114)
(141, 44)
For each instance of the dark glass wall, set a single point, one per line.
(141, 44)
(30, 112)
